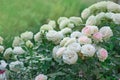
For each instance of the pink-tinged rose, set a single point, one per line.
(102, 54)
(86, 31)
(41, 77)
(98, 37)
(84, 40)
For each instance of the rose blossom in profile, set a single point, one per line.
(91, 20)
(76, 34)
(102, 54)
(98, 37)
(41, 77)
(71, 40)
(27, 35)
(59, 52)
(63, 41)
(85, 14)
(18, 50)
(106, 32)
(66, 31)
(37, 36)
(74, 47)
(29, 44)
(84, 40)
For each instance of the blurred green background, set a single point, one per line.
(17, 16)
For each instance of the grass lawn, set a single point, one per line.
(17, 16)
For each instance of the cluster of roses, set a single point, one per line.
(102, 10)
(96, 20)
(71, 43)
(74, 43)
(17, 50)
(11, 54)
(103, 6)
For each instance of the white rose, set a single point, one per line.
(62, 43)
(88, 50)
(1, 49)
(85, 13)
(64, 23)
(55, 49)
(37, 36)
(109, 15)
(76, 20)
(71, 40)
(71, 25)
(3, 65)
(116, 18)
(106, 32)
(17, 41)
(16, 66)
(89, 30)
(41, 77)
(52, 23)
(29, 44)
(70, 57)
(76, 34)
(91, 20)
(94, 29)
(99, 17)
(102, 54)
(84, 40)
(66, 31)
(8, 53)
(18, 50)
(45, 27)
(61, 19)
(27, 35)
(59, 52)
(54, 36)
(1, 40)
(74, 47)
(93, 8)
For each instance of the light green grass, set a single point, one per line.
(17, 16)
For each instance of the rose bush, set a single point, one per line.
(72, 48)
